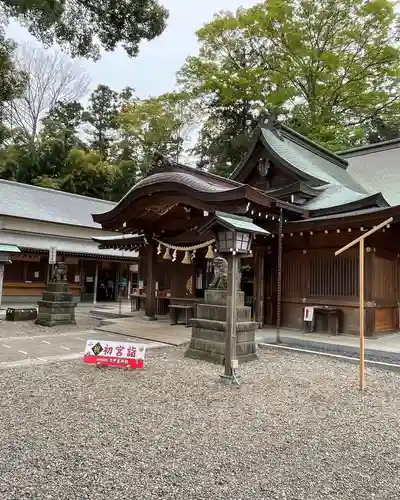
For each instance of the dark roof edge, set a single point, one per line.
(246, 157)
(292, 168)
(192, 170)
(362, 217)
(295, 187)
(376, 200)
(320, 149)
(368, 148)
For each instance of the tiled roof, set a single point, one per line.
(187, 179)
(32, 202)
(306, 161)
(378, 167)
(77, 246)
(333, 196)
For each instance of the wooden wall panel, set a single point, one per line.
(385, 319)
(386, 278)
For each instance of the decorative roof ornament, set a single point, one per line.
(263, 166)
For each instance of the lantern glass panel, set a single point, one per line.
(225, 241)
(243, 241)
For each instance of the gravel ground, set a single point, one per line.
(296, 429)
(23, 328)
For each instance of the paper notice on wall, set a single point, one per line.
(308, 313)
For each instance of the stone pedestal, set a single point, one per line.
(209, 330)
(57, 306)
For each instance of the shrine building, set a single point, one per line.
(317, 200)
(34, 219)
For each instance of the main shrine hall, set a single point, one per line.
(311, 200)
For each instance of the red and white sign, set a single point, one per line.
(122, 354)
(308, 313)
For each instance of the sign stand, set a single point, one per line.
(360, 240)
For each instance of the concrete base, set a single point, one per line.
(57, 306)
(209, 330)
(150, 318)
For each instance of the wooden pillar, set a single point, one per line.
(259, 286)
(370, 304)
(151, 302)
(96, 280)
(1, 281)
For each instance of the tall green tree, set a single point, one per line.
(101, 114)
(83, 27)
(157, 124)
(327, 67)
(12, 82)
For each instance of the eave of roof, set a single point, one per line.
(370, 148)
(360, 218)
(125, 241)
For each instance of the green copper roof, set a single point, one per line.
(9, 248)
(333, 196)
(238, 223)
(308, 162)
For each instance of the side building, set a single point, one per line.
(36, 219)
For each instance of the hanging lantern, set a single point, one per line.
(174, 256)
(210, 253)
(186, 259)
(167, 254)
(159, 248)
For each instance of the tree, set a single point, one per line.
(50, 77)
(84, 26)
(101, 115)
(326, 67)
(157, 124)
(11, 80)
(88, 174)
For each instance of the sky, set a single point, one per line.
(153, 71)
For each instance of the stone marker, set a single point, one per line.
(209, 329)
(57, 306)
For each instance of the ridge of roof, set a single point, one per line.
(317, 148)
(168, 162)
(369, 148)
(49, 190)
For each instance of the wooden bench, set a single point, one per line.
(331, 316)
(174, 312)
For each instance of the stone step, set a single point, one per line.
(57, 296)
(219, 297)
(219, 347)
(208, 324)
(218, 312)
(51, 319)
(219, 336)
(57, 286)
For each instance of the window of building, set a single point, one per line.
(334, 277)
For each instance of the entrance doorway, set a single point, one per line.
(107, 282)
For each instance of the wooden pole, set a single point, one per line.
(231, 314)
(361, 240)
(363, 236)
(362, 316)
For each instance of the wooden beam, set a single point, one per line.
(361, 240)
(363, 236)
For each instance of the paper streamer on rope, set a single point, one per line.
(190, 252)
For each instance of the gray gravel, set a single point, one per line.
(28, 328)
(296, 429)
